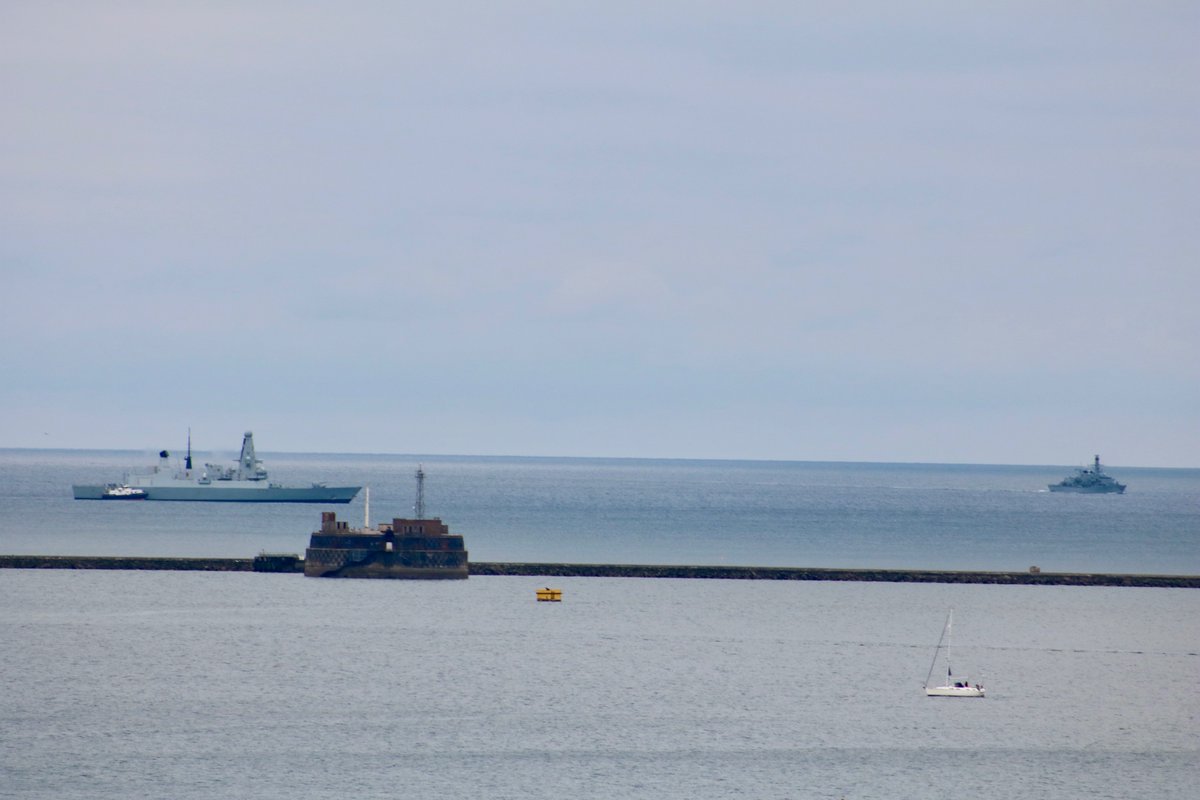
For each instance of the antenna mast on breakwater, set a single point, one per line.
(419, 506)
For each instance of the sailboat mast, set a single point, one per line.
(949, 638)
(938, 649)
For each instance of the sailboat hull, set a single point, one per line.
(953, 691)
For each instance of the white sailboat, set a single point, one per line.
(953, 687)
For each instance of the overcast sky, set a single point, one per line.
(874, 231)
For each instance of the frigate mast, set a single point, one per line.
(419, 506)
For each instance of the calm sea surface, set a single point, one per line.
(794, 514)
(162, 684)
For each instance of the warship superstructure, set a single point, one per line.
(1089, 481)
(420, 548)
(246, 482)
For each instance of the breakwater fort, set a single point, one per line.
(287, 563)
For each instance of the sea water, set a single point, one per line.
(168, 684)
(195, 685)
(741, 513)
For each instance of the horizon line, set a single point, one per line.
(700, 459)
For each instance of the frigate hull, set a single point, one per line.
(1108, 488)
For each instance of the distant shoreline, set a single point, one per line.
(560, 570)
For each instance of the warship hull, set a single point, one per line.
(1104, 489)
(232, 494)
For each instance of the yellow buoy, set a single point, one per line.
(549, 595)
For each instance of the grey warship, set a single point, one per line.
(244, 483)
(1089, 481)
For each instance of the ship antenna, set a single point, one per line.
(419, 506)
(367, 509)
(187, 462)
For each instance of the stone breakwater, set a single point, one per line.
(824, 574)
(636, 571)
(127, 562)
